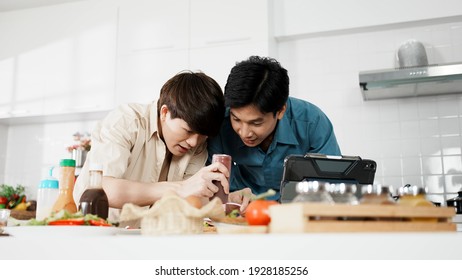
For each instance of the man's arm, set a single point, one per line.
(121, 191)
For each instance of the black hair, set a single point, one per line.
(258, 81)
(195, 98)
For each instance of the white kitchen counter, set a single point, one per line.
(312, 246)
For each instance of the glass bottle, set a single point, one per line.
(376, 194)
(343, 193)
(413, 196)
(65, 199)
(94, 200)
(312, 191)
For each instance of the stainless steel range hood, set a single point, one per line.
(409, 82)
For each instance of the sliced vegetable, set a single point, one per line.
(67, 222)
(99, 223)
(65, 218)
(234, 213)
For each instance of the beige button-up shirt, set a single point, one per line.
(126, 142)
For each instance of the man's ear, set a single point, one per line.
(281, 112)
(163, 112)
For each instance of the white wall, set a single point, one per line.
(415, 140)
(33, 148)
(3, 148)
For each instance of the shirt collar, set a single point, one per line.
(152, 113)
(284, 133)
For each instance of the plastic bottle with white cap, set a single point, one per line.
(48, 191)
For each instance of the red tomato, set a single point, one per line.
(67, 222)
(99, 223)
(3, 202)
(257, 212)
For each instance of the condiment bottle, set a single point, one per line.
(376, 194)
(46, 196)
(65, 199)
(94, 200)
(343, 193)
(226, 160)
(312, 191)
(413, 196)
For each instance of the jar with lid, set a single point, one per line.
(313, 191)
(65, 199)
(413, 196)
(94, 200)
(376, 194)
(456, 202)
(47, 195)
(343, 193)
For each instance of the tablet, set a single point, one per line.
(319, 167)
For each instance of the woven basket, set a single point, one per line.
(172, 215)
(171, 223)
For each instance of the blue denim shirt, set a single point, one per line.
(303, 129)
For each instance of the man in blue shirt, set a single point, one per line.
(263, 125)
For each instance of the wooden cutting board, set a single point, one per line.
(316, 217)
(237, 225)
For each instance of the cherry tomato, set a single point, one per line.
(257, 212)
(99, 223)
(67, 222)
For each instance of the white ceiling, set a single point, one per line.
(11, 5)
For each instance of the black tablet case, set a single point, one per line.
(331, 169)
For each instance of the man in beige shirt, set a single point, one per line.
(146, 150)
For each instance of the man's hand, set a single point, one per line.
(201, 183)
(241, 197)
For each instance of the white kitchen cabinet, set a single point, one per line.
(58, 59)
(140, 76)
(15, 100)
(153, 43)
(215, 23)
(225, 32)
(153, 25)
(89, 56)
(296, 18)
(217, 61)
